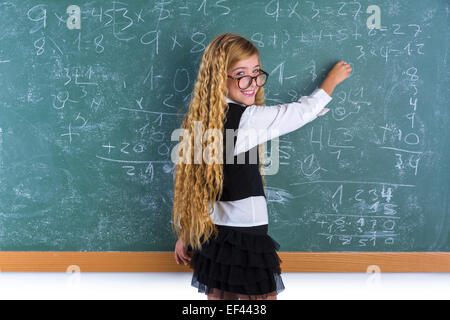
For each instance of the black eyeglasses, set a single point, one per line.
(245, 81)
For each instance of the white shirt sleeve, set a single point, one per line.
(259, 124)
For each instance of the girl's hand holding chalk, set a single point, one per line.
(337, 74)
(181, 254)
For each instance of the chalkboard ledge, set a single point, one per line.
(55, 261)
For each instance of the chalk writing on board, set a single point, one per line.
(406, 141)
(360, 214)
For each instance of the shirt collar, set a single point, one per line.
(232, 101)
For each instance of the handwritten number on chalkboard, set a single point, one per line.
(396, 29)
(126, 146)
(358, 10)
(340, 9)
(39, 47)
(97, 41)
(257, 39)
(319, 140)
(342, 34)
(361, 50)
(313, 8)
(408, 47)
(79, 41)
(67, 76)
(419, 49)
(339, 224)
(346, 240)
(384, 52)
(199, 39)
(125, 11)
(181, 76)
(145, 41)
(389, 209)
(204, 7)
(358, 192)
(374, 207)
(38, 14)
(82, 119)
(338, 191)
(281, 68)
(165, 102)
(99, 16)
(389, 225)
(130, 170)
(163, 149)
(338, 152)
(386, 193)
(163, 12)
(418, 29)
(139, 148)
(149, 170)
(362, 242)
(276, 12)
(83, 90)
(309, 161)
(414, 163)
(374, 193)
(227, 9)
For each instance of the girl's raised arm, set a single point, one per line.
(259, 124)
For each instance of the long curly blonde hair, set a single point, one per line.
(199, 185)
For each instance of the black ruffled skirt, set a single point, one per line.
(241, 260)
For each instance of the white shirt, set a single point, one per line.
(257, 125)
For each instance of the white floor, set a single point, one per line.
(164, 286)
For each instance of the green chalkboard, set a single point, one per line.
(87, 108)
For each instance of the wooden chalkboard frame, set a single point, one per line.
(59, 261)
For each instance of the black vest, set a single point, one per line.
(240, 179)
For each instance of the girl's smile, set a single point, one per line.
(249, 93)
(246, 67)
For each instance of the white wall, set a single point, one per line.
(177, 286)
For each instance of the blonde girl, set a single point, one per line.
(220, 210)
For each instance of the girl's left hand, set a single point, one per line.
(181, 254)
